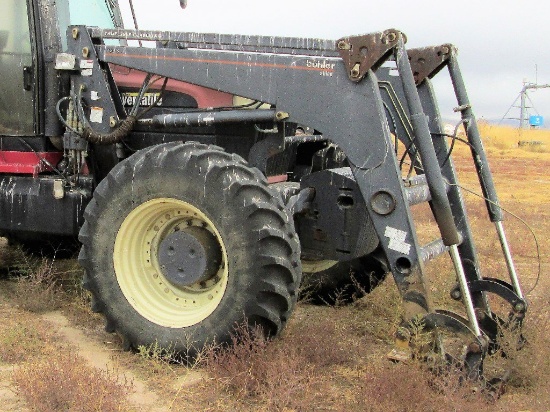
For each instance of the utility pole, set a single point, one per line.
(523, 119)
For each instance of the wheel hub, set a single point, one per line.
(189, 256)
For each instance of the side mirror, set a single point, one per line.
(183, 3)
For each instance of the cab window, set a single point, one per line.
(98, 13)
(16, 65)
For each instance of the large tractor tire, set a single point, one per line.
(184, 242)
(328, 282)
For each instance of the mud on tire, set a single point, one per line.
(140, 207)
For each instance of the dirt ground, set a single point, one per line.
(98, 348)
(524, 188)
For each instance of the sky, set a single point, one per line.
(501, 43)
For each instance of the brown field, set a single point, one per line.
(55, 356)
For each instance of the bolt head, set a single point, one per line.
(343, 45)
(391, 37)
(455, 294)
(519, 307)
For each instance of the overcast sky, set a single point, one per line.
(500, 42)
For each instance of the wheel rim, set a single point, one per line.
(139, 274)
(316, 266)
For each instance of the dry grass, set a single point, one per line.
(21, 337)
(38, 284)
(401, 387)
(509, 138)
(47, 372)
(38, 289)
(65, 382)
(311, 369)
(254, 369)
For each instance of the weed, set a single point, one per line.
(421, 340)
(158, 358)
(528, 367)
(322, 343)
(190, 358)
(255, 369)
(37, 289)
(20, 339)
(154, 352)
(65, 382)
(410, 387)
(379, 313)
(11, 256)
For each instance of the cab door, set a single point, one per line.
(17, 84)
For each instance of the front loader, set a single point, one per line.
(206, 176)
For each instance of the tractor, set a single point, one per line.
(212, 177)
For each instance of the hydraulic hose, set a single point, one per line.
(114, 137)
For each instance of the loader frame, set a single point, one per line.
(344, 90)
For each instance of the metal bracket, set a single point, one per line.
(502, 289)
(72, 141)
(362, 53)
(264, 149)
(450, 320)
(426, 62)
(301, 202)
